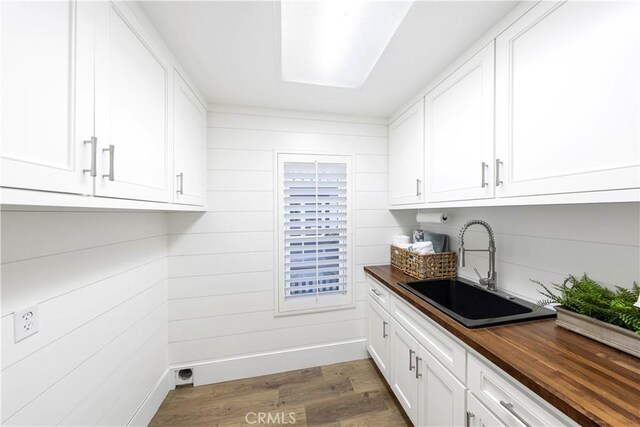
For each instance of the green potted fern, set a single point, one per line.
(590, 309)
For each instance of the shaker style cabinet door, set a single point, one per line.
(132, 103)
(567, 104)
(189, 144)
(378, 337)
(406, 157)
(459, 132)
(441, 397)
(47, 95)
(403, 369)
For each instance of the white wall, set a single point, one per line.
(546, 243)
(100, 280)
(221, 263)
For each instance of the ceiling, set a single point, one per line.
(231, 51)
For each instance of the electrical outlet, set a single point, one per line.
(25, 323)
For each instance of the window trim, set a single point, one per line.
(346, 301)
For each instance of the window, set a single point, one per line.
(314, 233)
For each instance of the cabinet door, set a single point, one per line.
(378, 337)
(189, 144)
(47, 95)
(406, 157)
(441, 398)
(459, 132)
(131, 109)
(568, 110)
(403, 368)
(478, 415)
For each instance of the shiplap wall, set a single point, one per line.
(100, 280)
(546, 243)
(221, 263)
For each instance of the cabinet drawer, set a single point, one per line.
(509, 401)
(378, 292)
(478, 414)
(446, 351)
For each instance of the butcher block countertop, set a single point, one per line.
(591, 383)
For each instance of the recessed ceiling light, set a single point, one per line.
(336, 42)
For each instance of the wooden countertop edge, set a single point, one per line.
(573, 409)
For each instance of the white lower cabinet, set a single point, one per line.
(478, 415)
(428, 392)
(378, 337)
(438, 380)
(404, 350)
(510, 402)
(440, 395)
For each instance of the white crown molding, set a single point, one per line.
(290, 114)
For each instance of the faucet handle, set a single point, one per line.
(479, 276)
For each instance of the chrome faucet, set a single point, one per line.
(491, 281)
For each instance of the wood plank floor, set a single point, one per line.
(342, 395)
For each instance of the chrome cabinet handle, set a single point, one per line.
(498, 180)
(384, 329)
(377, 293)
(111, 151)
(469, 416)
(418, 182)
(484, 168)
(94, 145)
(418, 359)
(180, 176)
(411, 352)
(509, 407)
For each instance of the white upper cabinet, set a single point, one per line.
(47, 95)
(567, 99)
(132, 102)
(406, 157)
(88, 109)
(459, 132)
(189, 144)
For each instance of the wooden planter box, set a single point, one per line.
(606, 333)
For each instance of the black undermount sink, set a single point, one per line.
(473, 306)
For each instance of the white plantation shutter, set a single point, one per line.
(315, 234)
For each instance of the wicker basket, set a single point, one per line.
(428, 266)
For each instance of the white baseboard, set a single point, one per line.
(253, 365)
(149, 407)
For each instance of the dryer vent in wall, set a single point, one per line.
(184, 377)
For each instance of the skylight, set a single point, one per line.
(336, 42)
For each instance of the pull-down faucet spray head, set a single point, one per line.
(491, 280)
